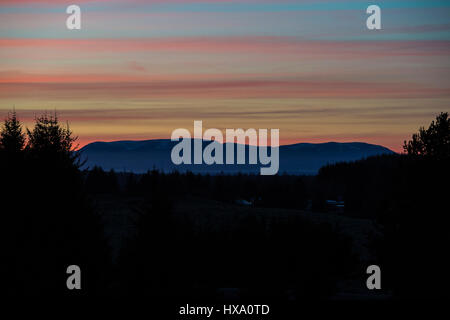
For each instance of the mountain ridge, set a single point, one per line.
(299, 158)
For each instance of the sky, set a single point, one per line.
(140, 69)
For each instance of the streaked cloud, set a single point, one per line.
(139, 69)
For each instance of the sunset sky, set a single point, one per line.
(140, 69)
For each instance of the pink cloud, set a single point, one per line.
(215, 89)
(259, 45)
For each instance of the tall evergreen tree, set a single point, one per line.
(50, 141)
(12, 138)
(432, 142)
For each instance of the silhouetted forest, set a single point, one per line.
(48, 222)
(223, 236)
(407, 196)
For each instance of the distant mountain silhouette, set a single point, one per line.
(141, 156)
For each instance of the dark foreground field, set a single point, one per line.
(215, 222)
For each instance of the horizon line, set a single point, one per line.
(247, 144)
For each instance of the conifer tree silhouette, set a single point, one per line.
(12, 138)
(432, 142)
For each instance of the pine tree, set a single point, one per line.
(433, 142)
(12, 138)
(51, 140)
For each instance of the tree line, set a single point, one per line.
(407, 196)
(50, 222)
